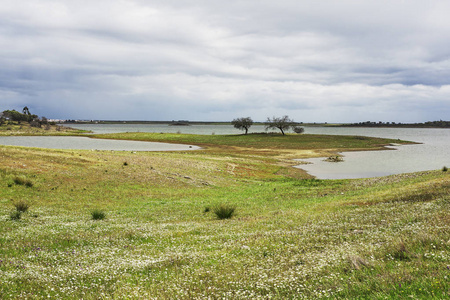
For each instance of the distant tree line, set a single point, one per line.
(282, 123)
(24, 116)
(433, 124)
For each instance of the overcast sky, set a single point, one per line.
(316, 61)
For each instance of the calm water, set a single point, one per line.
(84, 143)
(432, 154)
(191, 129)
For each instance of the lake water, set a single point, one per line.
(432, 154)
(165, 128)
(85, 143)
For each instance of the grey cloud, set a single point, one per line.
(320, 60)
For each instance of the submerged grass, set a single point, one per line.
(294, 237)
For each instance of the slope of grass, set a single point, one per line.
(290, 237)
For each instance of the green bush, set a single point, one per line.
(98, 214)
(444, 169)
(224, 211)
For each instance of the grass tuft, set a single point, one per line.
(15, 215)
(224, 211)
(22, 181)
(357, 263)
(399, 251)
(21, 205)
(98, 214)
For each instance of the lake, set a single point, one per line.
(85, 143)
(432, 154)
(164, 128)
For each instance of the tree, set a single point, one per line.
(242, 123)
(26, 111)
(282, 123)
(14, 115)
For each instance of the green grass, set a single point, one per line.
(261, 140)
(293, 237)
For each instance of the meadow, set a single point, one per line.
(79, 224)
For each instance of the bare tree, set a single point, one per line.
(242, 123)
(282, 123)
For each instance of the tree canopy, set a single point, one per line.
(282, 123)
(242, 123)
(26, 116)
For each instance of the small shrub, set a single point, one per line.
(15, 215)
(444, 169)
(298, 129)
(224, 211)
(21, 205)
(98, 214)
(207, 209)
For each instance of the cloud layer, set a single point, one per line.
(316, 61)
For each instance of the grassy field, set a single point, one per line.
(291, 236)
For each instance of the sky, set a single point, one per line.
(208, 60)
